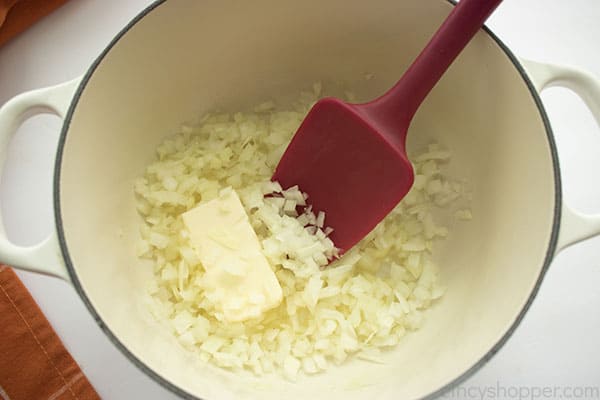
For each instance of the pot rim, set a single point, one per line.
(184, 394)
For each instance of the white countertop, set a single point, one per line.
(555, 346)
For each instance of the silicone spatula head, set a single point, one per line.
(348, 168)
(351, 158)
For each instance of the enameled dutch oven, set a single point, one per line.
(180, 58)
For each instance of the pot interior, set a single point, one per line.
(185, 58)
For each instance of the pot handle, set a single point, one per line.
(574, 226)
(44, 257)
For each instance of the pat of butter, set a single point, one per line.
(238, 279)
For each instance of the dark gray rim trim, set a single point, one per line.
(175, 389)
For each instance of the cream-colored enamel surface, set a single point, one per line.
(187, 57)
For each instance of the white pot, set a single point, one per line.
(181, 58)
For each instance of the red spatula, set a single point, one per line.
(351, 158)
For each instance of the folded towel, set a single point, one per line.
(18, 15)
(34, 364)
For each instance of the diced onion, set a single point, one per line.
(358, 305)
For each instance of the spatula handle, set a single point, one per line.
(403, 100)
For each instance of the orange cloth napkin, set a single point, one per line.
(34, 364)
(18, 15)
